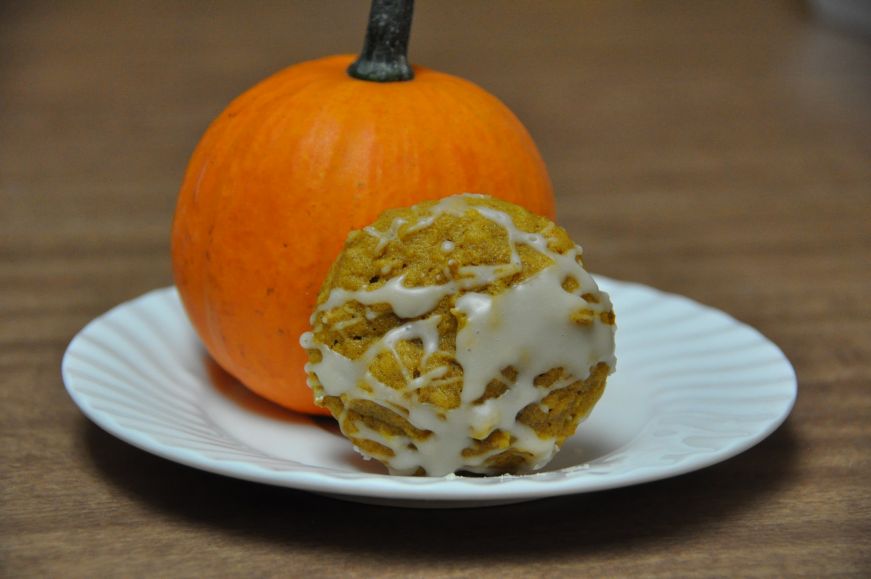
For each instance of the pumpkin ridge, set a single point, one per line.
(519, 136)
(434, 100)
(475, 130)
(209, 315)
(223, 221)
(348, 94)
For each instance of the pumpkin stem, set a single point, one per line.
(384, 56)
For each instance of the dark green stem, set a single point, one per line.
(385, 50)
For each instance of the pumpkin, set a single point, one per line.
(297, 161)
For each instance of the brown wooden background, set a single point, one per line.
(721, 150)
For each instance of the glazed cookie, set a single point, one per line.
(460, 335)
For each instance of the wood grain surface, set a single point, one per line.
(721, 150)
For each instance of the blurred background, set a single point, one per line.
(717, 149)
(681, 137)
(669, 128)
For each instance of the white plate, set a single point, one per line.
(693, 387)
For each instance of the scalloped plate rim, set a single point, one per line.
(423, 491)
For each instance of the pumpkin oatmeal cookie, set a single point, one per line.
(461, 335)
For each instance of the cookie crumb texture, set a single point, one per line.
(461, 335)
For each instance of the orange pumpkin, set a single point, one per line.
(296, 162)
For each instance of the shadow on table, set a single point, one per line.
(612, 521)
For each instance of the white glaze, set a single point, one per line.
(407, 302)
(528, 326)
(385, 237)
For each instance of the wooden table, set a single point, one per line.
(721, 150)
